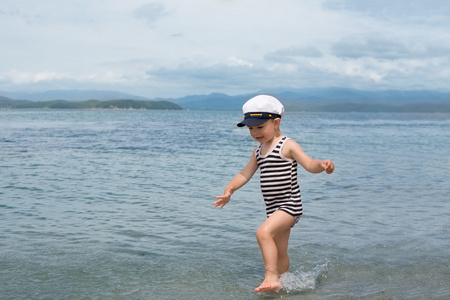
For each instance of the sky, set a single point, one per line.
(174, 48)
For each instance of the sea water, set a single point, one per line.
(119, 205)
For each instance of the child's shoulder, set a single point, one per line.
(290, 142)
(289, 147)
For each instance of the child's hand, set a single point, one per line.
(327, 166)
(225, 198)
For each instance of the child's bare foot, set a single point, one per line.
(269, 285)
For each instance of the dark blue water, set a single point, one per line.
(118, 205)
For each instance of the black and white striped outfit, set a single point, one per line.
(278, 179)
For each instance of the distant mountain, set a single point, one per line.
(335, 94)
(71, 95)
(330, 99)
(307, 99)
(6, 102)
(90, 104)
(215, 101)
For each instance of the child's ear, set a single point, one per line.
(276, 122)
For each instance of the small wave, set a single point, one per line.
(301, 281)
(133, 148)
(5, 140)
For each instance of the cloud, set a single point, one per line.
(19, 15)
(232, 73)
(404, 11)
(364, 46)
(231, 77)
(289, 55)
(256, 75)
(383, 47)
(150, 12)
(223, 46)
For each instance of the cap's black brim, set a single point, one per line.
(252, 122)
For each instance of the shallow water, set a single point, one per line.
(118, 205)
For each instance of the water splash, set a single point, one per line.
(301, 281)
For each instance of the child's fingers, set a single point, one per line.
(328, 166)
(221, 202)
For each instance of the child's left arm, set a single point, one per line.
(294, 151)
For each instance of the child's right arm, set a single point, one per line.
(238, 181)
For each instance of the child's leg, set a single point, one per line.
(273, 236)
(281, 241)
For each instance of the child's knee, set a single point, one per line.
(263, 234)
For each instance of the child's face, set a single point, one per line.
(264, 132)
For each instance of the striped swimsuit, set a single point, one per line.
(278, 178)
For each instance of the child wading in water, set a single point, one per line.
(276, 157)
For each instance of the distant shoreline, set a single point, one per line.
(394, 101)
(121, 104)
(374, 108)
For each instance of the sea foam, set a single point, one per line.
(301, 281)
